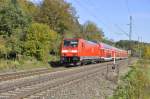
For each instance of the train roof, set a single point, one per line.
(106, 46)
(103, 45)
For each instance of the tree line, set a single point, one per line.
(35, 30)
(138, 49)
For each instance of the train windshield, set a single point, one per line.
(72, 43)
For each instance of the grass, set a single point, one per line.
(136, 83)
(24, 64)
(8, 65)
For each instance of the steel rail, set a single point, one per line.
(21, 74)
(27, 87)
(27, 91)
(12, 85)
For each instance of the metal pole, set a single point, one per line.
(141, 48)
(130, 32)
(130, 35)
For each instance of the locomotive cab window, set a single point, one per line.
(72, 43)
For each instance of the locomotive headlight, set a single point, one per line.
(74, 51)
(64, 51)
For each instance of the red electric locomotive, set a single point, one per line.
(78, 51)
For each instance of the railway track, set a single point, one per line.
(21, 74)
(27, 86)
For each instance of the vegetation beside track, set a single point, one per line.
(31, 33)
(35, 31)
(136, 83)
(26, 63)
(7, 65)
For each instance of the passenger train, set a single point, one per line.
(78, 51)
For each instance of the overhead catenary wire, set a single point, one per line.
(93, 15)
(108, 27)
(122, 31)
(130, 23)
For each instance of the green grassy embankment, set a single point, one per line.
(24, 64)
(136, 83)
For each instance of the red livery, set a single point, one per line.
(80, 51)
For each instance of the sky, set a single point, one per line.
(112, 16)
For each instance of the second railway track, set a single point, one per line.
(25, 87)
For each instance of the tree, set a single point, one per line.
(3, 48)
(28, 7)
(108, 41)
(12, 18)
(137, 48)
(146, 52)
(13, 24)
(59, 15)
(40, 39)
(90, 31)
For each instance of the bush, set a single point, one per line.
(135, 84)
(39, 41)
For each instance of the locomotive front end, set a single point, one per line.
(69, 51)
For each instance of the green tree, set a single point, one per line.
(137, 48)
(3, 48)
(12, 18)
(28, 7)
(40, 39)
(59, 15)
(108, 41)
(13, 24)
(90, 31)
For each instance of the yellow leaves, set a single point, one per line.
(40, 40)
(41, 32)
(147, 52)
(2, 45)
(58, 14)
(91, 31)
(96, 36)
(135, 84)
(28, 7)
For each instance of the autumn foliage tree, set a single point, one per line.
(39, 41)
(146, 52)
(35, 30)
(90, 31)
(12, 19)
(13, 24)
(58, 15)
